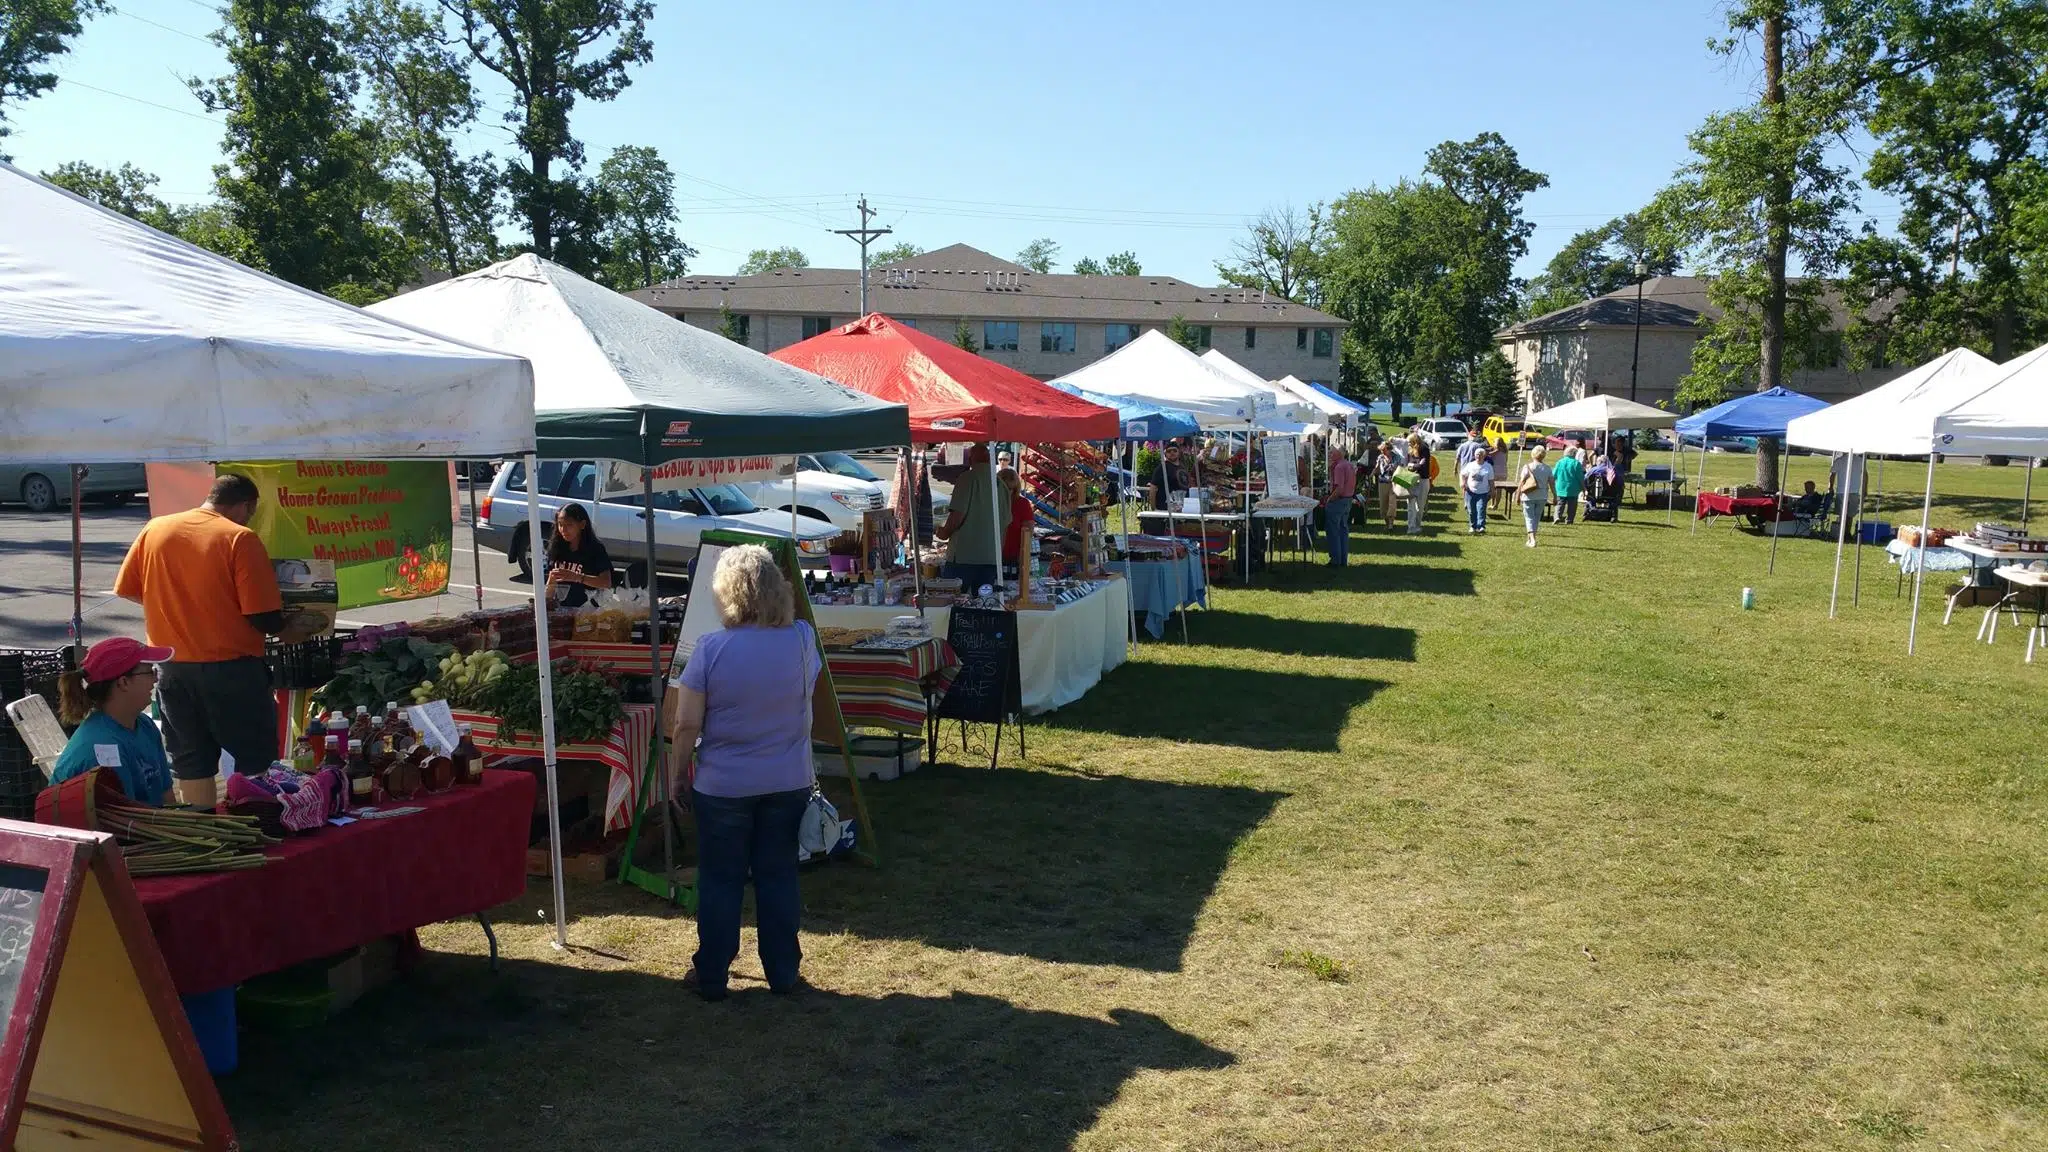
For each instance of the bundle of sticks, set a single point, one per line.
(154, 841)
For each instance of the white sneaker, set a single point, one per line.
(1531, 542)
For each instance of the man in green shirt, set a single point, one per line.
(973, 548)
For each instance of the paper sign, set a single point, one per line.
(1191, 506)
(381, 526)
(624, 478)
(436, 725)
(1280, 466)
(106, 755)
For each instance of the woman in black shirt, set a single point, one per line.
(577, 560)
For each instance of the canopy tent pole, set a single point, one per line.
(1778, 505)
(77, 555)
(476, 556)
(910, 454)
(1920, 551)
(1671, 492)
(1123, 507)
(1173, 534)
(1699, 486)
(995, 522)
(1841, 540)
(668, 839)
(2026, 495)
(1248, 505)
(547, 703)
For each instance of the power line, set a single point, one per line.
(139, 100)
(165, 27)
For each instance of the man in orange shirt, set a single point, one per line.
(208, 591)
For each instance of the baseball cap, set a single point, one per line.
(117, 656)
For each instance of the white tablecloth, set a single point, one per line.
(1061, 652)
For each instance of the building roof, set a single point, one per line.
(960, 281)
(1671, 301)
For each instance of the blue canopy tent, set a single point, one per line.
(1759, 414)
(1346, 401)
(1142, 420)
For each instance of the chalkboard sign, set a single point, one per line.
(988, 688)
(98, 1052)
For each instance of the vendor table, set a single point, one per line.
(618, 659)
(1062, 652)
(2021, 580)
(1161, 587)
(461, 855)
(623, 750)
(1960, 554)
(1756, 508)
(888, 688)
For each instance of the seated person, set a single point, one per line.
(104, 698)
(1811, 503)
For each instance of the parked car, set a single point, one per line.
(1719, 443)
(45, 486)
(1566, 437)
(830, 486)
(1443, 433)
(1510, 431)
(681, 516)
(1647, 441)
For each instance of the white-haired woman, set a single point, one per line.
(743, 705)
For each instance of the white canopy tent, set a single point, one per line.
(2006, 416)
(1602, 412)
(1893, 419)
(1289, 413)
(120, 343)
(1153, 368)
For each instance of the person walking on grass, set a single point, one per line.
(1475, 480)
(1533, 486)
(1383, 466)
(1497, 456)
(1569, 477)
(1337, 512)
(1423, 465)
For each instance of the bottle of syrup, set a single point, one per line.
(362, 783)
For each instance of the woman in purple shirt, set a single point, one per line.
(744, 705)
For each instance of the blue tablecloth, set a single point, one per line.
(1154, 585)
(1942, 559)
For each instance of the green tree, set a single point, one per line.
(302, 180)
(1114, 264)
(638, 191)
(769, 259)
(1088, 266)
(32, 33)
(1761, 192)
(1487, 178)
(422, 101)
(1598, 261)
(729, 325)
(125, 190)
(963, 335)
(1038, 255)
(554, 53)
(1280, 254)
(1183, 333)
(1494, 385)
(1391, 270)
(895, 253)
(1956, 103)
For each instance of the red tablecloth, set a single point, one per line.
(1721, 504)
(341, 887)
(885, 688)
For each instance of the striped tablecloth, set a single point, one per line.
(885, 688)
(618, 659)
(624, 751)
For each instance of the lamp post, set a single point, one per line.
(1636, 356)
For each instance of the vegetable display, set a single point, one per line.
(389, 672)
(463, 679)
(587, 701)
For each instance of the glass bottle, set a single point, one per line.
(362, 783)
(335, 757)
(359, 728)
(469, 762)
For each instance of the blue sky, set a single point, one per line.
(1157, 127)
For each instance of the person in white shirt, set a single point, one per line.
(1475, 480)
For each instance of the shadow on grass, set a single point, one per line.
(547, 1056)
(1367, 573)
(1206, 705)
(1081, 869)
(1277, 634)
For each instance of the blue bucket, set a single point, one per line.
(1873, 532)
(212, 1015)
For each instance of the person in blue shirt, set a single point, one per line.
(104, 699)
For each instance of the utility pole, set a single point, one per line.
(863, 236)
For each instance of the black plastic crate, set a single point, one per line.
(29, 670)
(307, 664)
(20, 779)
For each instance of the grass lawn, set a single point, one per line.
(1468, 846)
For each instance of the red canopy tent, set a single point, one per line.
(953, 395)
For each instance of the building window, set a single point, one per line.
(1251, 338)
(907, 323)
(999, 336)
(1301, 339)
(1549, 355)
(1201, 334)
(816, 326)
(1115, 336)
(1326, 343)
(743, 329)
(1055, 337)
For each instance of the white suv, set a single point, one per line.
(830, 486)
(681, 516)
(1443, 433)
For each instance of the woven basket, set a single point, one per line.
(76, 803)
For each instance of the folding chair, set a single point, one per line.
(38, 728)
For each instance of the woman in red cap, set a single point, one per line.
(105, 699)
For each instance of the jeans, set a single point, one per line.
(1337, 523)
(1475, 510)
(1532, 511)
(738, 836)
(972, 577)
(1418, 499)
(1567, 510)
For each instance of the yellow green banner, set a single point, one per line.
(373, 530)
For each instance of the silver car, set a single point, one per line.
(45, 486)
